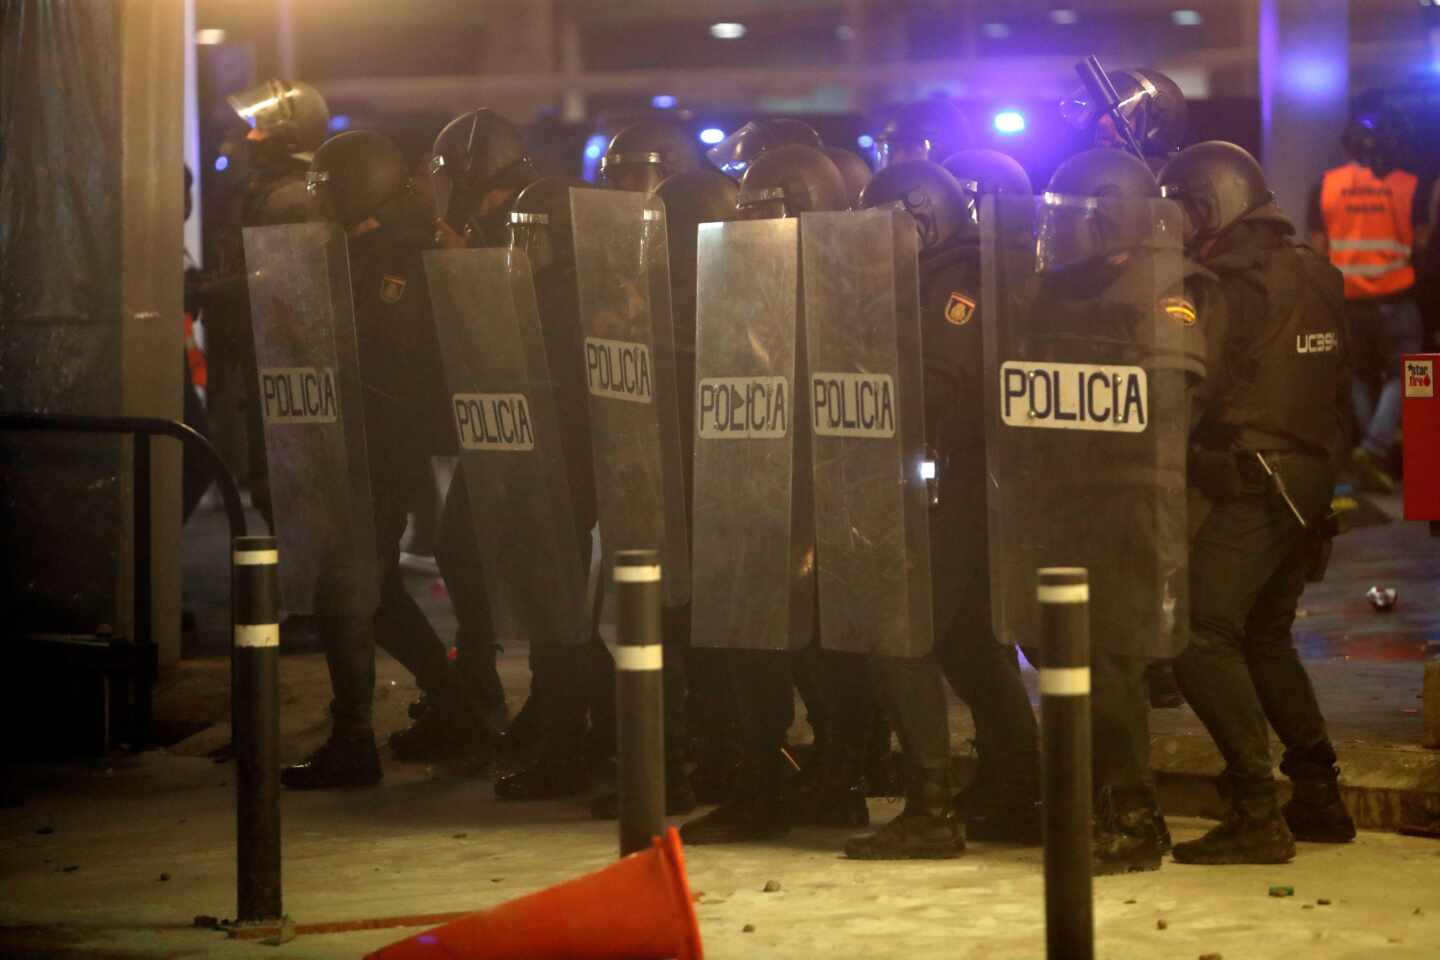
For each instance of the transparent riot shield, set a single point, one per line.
(753, 578)
(866, 404)
(622, 270)
(505, 412)
(313, 407)
(1087, 381)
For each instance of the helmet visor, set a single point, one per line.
(737, 151)
(266, 107)
(889, 152)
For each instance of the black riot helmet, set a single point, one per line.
(925, 130)
(1149, 101)
(1218, 184)
(989, 171)
(645, 153)
(540, 222)
(1095, 212)
(291, 114)
(700, 196)
(736, 152)
(476, 153)
(943, 213)
(357, 175)
(789, 181)
(854, 169)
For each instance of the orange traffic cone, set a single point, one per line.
(636, 909)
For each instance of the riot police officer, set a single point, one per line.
(780, 182)
(1262, 458)
(855, 171)
(287, 121)
(571, 688)
(1151, 103)
(360, 180)
(643, 154)
(479, 164)
(924, 130)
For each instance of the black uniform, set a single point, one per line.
(1275, 398)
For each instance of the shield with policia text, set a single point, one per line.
(622, 271)
(504, 408)
(1088, 369)
(866, 404)
(753, 577)
(312, 405)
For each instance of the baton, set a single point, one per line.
(1102, 91)
(1279, 484)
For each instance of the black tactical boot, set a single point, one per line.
(345, 760)
(756, 812)
(1253, 831)
(679, 799)
(926, 829)
(1130, 834)
(451, 729)
(546, 779)
(831, 791)
(1002, 805)
(1317, 814)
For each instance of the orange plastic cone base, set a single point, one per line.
(635, 909)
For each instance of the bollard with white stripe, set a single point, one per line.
(1064, 596)
(639, 699)
(255, 726)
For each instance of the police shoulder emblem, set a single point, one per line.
(392, 287)
(1179, 308)
(959, 310)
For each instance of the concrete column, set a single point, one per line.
(572, 62)
(152, 89)
(1304, 79)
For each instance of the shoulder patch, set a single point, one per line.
(1179, 308)
(392, 287)
(959, 310)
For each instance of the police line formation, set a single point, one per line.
(854, 415)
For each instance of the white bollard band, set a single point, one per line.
(642, 574)
(1064, 681)
(649, 657)
(257, 634)
(1063, 593)
(256, 558)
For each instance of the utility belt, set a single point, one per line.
(1230, 474)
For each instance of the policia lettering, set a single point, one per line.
(853, 404)
(299, 395)
(493, 421)
(744, 408)
(619, 370)
(1074, 396)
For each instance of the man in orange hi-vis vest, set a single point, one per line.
(1371, 217)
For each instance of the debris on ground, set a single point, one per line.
(45, 831)
(1211, 956)
(70, 868)
(1382, 598)
(460, 836)
(1323, 901)
(771, 886)
(206, 921)
(1281, 890)
(164, 877)
(1161, 924)
(748, 928)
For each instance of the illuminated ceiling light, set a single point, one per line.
(663, 101)
(1064, 18)
(995, 31)
(845, 33)
(727, 31)
(865, 141)
(339, 122)
(222, 162)
(1009, 122)
(1186, 18)
(712, 135)
(209, 38)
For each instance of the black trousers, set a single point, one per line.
(1120, 725)
(458, 555)
(1241, 671)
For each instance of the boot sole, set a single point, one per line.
(1113, 868)
(948, 853)
(1222, 861)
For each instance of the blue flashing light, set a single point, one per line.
(712, 135)
(339, 122)
(663, 101)
(222, 162)
(865, 141)
(1009, 122)
(594, 148)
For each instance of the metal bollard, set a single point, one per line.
(1064, 596)
(639, 699)
(255, 726)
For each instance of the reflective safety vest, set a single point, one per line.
(1367, 221)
